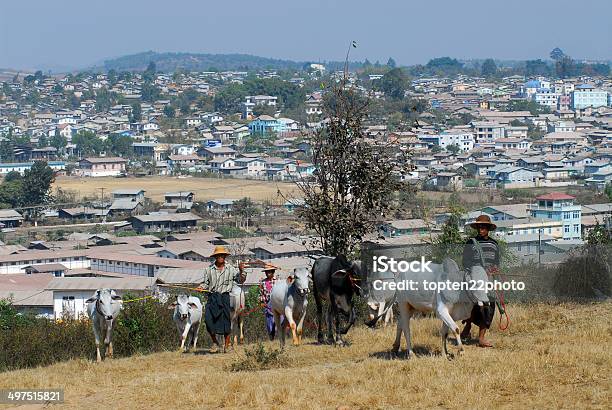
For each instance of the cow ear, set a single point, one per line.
(290, 279)
(192, 305)
(116, 297)
(340, 273)
(91, 299)
(172, 306)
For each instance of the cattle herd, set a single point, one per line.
(334, 280)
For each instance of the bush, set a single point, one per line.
(26, 341)
(259, 358)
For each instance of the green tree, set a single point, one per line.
(565, 67)
(394, 83)
(391, 63)
(489, 68)
(557, 54)
(88, 143)
(453, 149)
(169, 111)
(450, 241)
(120, 145)
(58, 142)
(245, 209)
(37, 183)
(12, 176)
(136, 112)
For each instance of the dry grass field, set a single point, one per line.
(204, 188)
(552, 356)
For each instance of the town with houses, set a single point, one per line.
(544, 136)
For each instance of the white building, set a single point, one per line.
(464, 140)
(487, 131)
(586, 95)
(546, 97)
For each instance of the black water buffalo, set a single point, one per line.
(336, 280)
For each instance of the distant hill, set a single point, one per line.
(168, 62)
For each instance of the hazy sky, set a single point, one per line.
(63, 34)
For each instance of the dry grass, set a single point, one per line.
(204, 188)
(551, 357)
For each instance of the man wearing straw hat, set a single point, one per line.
(265, 290)
(481, 252)
(219, 278)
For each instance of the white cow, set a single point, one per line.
(290, 298)
(449, 305)
(380, 297)
(187, 317)
(237, 305)
(378, 308)
(103, 308)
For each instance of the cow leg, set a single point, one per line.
(241, 326)
(319, 318)
(300, 327)
(292, 325)
(184, 335)
(330, 323)
(97, 339)
(196, 331)
(444, 334)
(107, 340)
(398, 339)
(449, 324)
(279, 329)
(404, 323)
(381, 309)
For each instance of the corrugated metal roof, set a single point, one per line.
(127, 283)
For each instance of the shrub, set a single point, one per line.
(259, 358)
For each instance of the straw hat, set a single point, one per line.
(220, 250)
(268, 267)
(483, 220)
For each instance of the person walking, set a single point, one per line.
(219, 278)
(481, 252)
(265, 290)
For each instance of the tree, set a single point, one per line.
(528, 105)
(120, 145)
(394, 83)
(88, 143)
(37, 183)
(608, 191)
(169, 111)
(489, 68)
(453, 149)
(58, 142)
(557, 54)
(354, 181)
(245, 209)
(449, 242)
(12, 176)
(565, 67)
(391, 63)
(136, 112)
(536, 68)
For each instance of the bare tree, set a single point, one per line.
(355, 179)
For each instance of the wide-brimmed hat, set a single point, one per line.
(220, 250)
(268, 267)
(483, 220)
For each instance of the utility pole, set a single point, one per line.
(539, 246)
(103, 204)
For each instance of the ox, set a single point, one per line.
(290, 298)
(237, 304)
(336, 281)
(379, 297)
(103, 308)
(449, 305)
(187, 317)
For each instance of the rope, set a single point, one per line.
(137, 299)
(183, 287)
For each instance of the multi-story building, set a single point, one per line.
(586, 95)
(464, 140)
(559, 206)
(487, 132)
(546, 97)
(251, 101)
